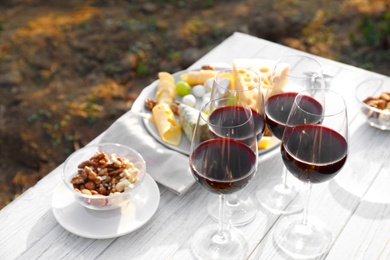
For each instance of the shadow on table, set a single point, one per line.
(272, 167)
(51, 238)
(362, 185)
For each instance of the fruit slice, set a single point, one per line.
(264, 142)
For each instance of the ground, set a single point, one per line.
(69, 69)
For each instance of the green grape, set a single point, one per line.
(183, 88)
(232, 99)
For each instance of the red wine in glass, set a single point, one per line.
(313, 153)
(259, 124)
(278, 108)
(235, 115)
(227, 165)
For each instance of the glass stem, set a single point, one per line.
(220, 236)
(221, 214)
(284, 177)
(232, 200)
(306, 206)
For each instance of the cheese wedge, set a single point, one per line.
(264, 142)
(188, 119)
(198, 77)
(166, 89)
(265, 69)
(247, 79)
(167, 126)
(280, 78)
(166, 92)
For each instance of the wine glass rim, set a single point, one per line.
(337, 112)
(308, 74)
(207, 104)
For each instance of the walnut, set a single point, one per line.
(207, 67)
(77, 179)
(175, 108)
(150, 103)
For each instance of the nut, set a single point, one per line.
(102, 175)
(151, 103)
(90, 185)
(86, 192)
(381, 102)
(207, 67)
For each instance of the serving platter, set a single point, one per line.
(184, 145)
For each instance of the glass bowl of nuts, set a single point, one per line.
(373, 96)
(104, 176)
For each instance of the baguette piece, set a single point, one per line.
(198, 77)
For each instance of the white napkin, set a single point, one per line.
(167, 167)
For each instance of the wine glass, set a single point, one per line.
(243, 84)
(223, 159)
(314, 149)
(291, 75)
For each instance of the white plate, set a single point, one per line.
(184, 146)
(97, 224)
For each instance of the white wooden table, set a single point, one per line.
(355, 204)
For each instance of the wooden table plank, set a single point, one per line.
(238, 45)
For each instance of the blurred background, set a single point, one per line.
(69, 69)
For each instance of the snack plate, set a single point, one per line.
(184, 146)
(98, 224)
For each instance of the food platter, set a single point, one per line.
(184, 145)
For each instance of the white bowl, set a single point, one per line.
(374, 87)
(103, 202)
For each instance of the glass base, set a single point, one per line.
(240, 209)
(302, 241)
(207, 243)
(281, 198)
